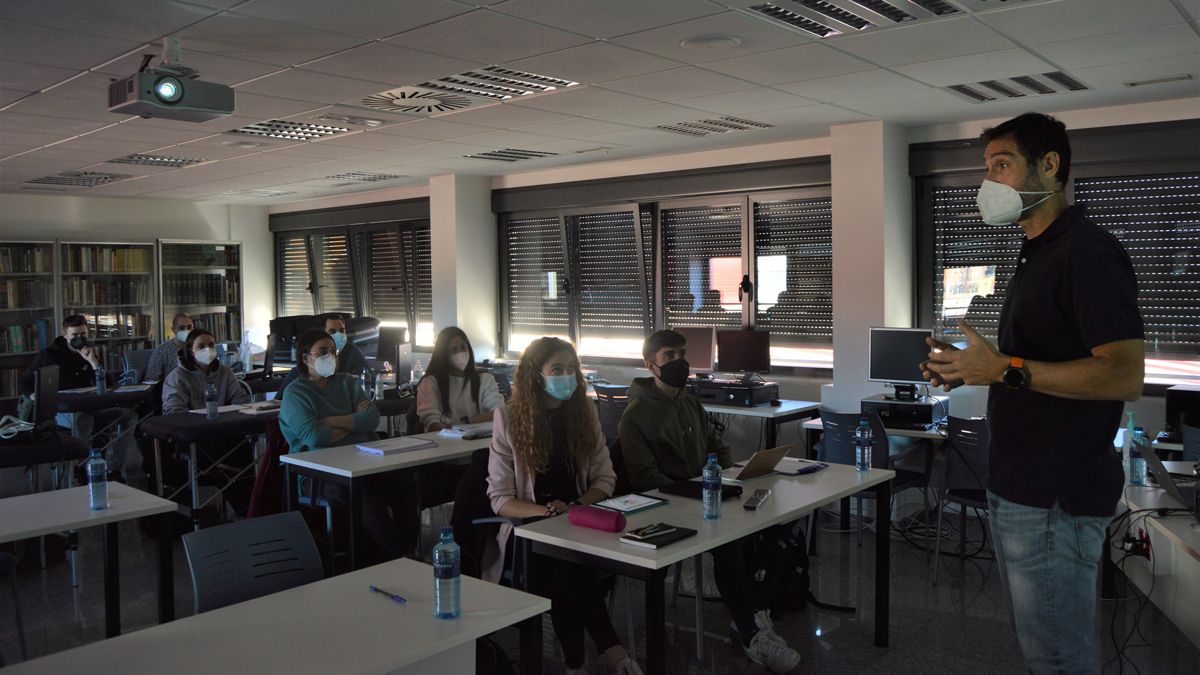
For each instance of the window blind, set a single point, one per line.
(295, 289)
(793, 252)
(1157, 218)
(611, 302)
(385, 283)
(702, 265)
(536, 280)
(335, 280)
(421, 278)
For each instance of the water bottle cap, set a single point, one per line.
(1137, 429)
(446, 532)
(712, 456)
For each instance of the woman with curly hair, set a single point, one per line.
(548, 454)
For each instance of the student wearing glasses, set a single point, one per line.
(325, 408)
(548, 453)
(350, 358)
(185, 386)
(166, 356)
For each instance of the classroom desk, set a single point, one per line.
(792, 497)
(331, 626)
(348, 465)
(125, 396)
(42, 513)
(775, 415)
(813, 431)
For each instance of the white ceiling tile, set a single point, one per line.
(803, 62)
(1134, 45)
(11, 144)
(31, 77)
(384, 62)
(938, 39)
(878, 93)
(976, 67)
(644, 138)
(245, 37)
(218, 147)
(809, 115)
(576, 146)
(131, 20)
(1114, 77)
(313, 87)
(70, 155)
(653, 115)
(752, 35)
(84, 98)
(681, 83)
(594, 62)
(16, 123)
(249, 104)
(317, 151)
(374, 140)
(509, 139)
(445, 150)
(487, 37)
(577, 128)
(435, 129)
(504, 116)
(32, 44)
(1058, 21)
(473, 167)
(133, 130)
(364, 18)
(609, 18)
(212, 67)
(746, 102)
(584, 101)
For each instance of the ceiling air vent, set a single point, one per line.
(417, 101)
(830, 18)
(490, 84)
(365, 176)
(1017, 87)
(510, 155)
(708, 127)
(781, 15)
(81, 179)
(289, 131)
(156, 160)
(248, 192)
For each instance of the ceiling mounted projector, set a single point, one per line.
(170, 91)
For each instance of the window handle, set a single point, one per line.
(746, 287)
(566, 285)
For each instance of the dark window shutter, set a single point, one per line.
(385, 283)
(611, 303)
(537, 292)
(335, 280)
(793, 250)
(702, 248)
(422, 279)
(295, 281)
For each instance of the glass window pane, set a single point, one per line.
(335, 283)
(382, 266)
(295, 279)
(537, 300)
(702, 265)
(793, 249)
(612, 305)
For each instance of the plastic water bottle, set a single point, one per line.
(211, 404)
(364, 381)
(862, 445)
(97, 475)
(101, 383)
(1137, 463)
(447, 583)
(712, 488)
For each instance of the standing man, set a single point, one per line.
(1070, 351)
(166, 356)
(350, 358)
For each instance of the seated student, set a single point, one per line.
(547, 453)
(166, 356)
(185, 386)
(665, 437)
(77, 361)
(350, 359)
(452, 391)
(326, 409)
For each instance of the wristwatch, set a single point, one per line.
(1016, 376)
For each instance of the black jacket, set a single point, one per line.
(73, 370)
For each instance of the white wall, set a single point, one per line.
(463, 239)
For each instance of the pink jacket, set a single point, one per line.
(508, 479)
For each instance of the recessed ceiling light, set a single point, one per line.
(710, 42)
(350, 119)
(1160, 80)
(241, 145)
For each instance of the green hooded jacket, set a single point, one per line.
(666, 438)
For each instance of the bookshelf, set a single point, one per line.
(27, 308)
(202, 279)
(112, 284)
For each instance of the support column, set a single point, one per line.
(464, 242)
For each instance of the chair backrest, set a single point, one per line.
(471, 502)
(137, 360)
(837, 441)
(611, 392)
(618, 463)
(966, 466)
(610, 411)
(45, 400)
(269, 357)
(250, 558)
(503, 384)
(1191, 440)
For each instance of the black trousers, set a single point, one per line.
(389, 510)
(733, 581)
(576, 605)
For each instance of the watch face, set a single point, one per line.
(1014, 377)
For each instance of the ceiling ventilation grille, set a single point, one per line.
(510, 155)
(81, 179)
(417, 101)
(830, 18)
(365, 176)
(490, 84)
(290, 131)
(248, 192)
(708, 127)
(156, 160)
(1017, 87)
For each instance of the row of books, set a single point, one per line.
(200, 289)
(118, 325)
(86, 258)
(18, 293)
(32, 258)
(133, 291)
(225, 326)
(9, 378)
(31, 337)
(199, 256)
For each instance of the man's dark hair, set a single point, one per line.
(660, 339)
(304, 344)
(74, 320)
(1035, 135)
(332, 316)
(175, 319)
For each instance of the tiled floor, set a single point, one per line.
(957, 626)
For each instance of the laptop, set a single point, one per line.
(1185, 496)
(761, 463)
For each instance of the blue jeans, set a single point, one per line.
(1048, 560)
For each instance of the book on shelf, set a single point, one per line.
(20, 293)
(32, 258)
(32, 337)
(88, 258)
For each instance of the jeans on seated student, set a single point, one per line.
(117, 422)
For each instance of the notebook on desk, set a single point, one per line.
(392, 446)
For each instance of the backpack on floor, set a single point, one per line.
(780, 570)
(490, 658)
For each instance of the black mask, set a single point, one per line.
(675, 373)
(78, 342)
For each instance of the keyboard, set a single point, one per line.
(907, 426)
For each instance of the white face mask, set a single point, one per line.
(325, 365)
(1001, 204)
(181, 335)
(460, 360)
(205, 356)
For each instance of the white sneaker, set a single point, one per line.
(772, 652)
(762, 621)
(628, 667)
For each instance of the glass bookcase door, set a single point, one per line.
(204, 281)
(27, 323)
(112, 286)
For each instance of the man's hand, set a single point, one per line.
(364, 404)
(89, 354)
(979, 363)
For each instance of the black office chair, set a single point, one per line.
(963, 480)
(1190, 436)
(611, 401)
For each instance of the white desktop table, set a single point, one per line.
(775, 415)
(43, 513)
(792, 497)
(330, 626)
(348, 465)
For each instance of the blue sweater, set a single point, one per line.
(306, 404)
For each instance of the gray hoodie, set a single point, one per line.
(183, 389)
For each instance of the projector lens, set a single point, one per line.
(168, 90)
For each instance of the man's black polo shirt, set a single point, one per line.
(1074, 289)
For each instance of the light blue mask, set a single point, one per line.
(339, 340)
(561, 387)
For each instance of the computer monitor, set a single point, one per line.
(390, 337)
(744, 351)
(701, 345)
(896, 355)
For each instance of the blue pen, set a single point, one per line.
(393, 596)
